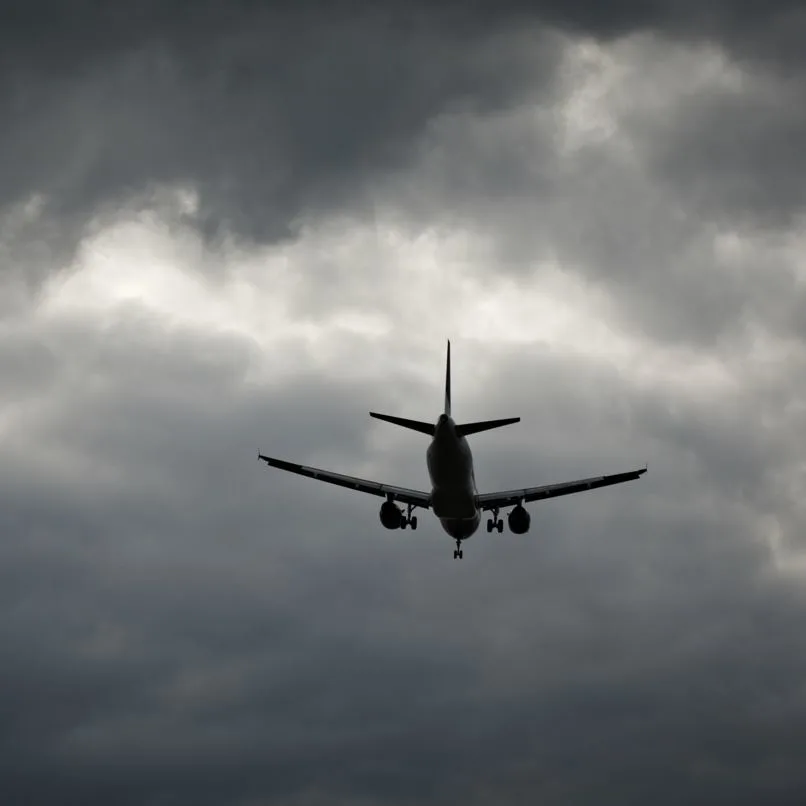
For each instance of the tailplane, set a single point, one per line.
(466, 429)
(414, 425)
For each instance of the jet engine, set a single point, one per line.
(519, 520)
(391, 515)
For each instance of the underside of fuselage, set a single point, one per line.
(453, 483)
(460, 528)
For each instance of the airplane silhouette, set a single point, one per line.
(454, 498)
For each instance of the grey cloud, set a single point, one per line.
(642, 231)
(273, 117)
(738, 157)
(275, 114)
(181, 624)
(214, 642)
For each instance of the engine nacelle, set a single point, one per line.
(519, 520)
(391, 515)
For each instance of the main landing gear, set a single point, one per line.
(458, 551)
(408, 519)
(495, 522)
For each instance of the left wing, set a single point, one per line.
(402, 494)
(510, 497)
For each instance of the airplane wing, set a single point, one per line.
(511, 497)
(401, 494)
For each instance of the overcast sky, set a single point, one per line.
(243, 227)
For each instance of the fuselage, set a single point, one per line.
(453, 482)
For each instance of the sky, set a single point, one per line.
(242, 228)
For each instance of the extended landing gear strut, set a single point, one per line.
(458, 551)
(408, 519)
(495, 522)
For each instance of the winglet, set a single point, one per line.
(448, 381)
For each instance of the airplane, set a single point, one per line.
(454, 498)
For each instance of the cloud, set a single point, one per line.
(273, 117)
(611, 182)
(247, 229)
(277, 116)
(186, 622)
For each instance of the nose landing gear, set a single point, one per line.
(458, 551)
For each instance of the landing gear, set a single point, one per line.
(457, 553)
(495, 522)
(408, 519)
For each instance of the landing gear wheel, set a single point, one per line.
(500, 527)
(408, 520)
(489, 524)
(460, 555)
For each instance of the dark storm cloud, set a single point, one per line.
(736, 156)
(646, 216)
(181, 622)
(279, 112)
(272, 115)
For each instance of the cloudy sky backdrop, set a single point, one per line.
(244, 226)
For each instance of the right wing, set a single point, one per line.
(402, 494)
(510, 497)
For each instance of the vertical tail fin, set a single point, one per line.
(448, 382)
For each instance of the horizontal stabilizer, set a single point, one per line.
(414, 425)
(466, 429)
